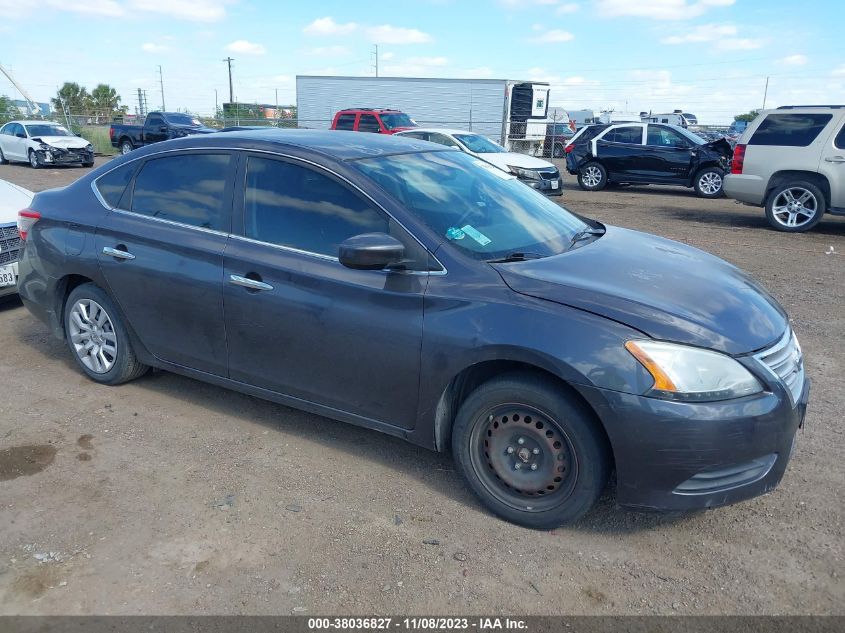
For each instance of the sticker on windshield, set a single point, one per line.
(476, 235)
(455, 234)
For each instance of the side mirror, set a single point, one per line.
(370, 251)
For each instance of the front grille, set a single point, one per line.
(727, 477)
(785, 361)
(10, 244)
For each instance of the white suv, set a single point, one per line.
(792, 161)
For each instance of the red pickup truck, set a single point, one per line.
(376, 120)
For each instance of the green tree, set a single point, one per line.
(104, 102)
(7, 110)
(75, 97)
(748, 117)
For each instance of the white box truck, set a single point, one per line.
(512, 113)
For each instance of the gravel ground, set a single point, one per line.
(170, 496)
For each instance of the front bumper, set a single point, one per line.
(549, 187)
(685, 456)
(64, 156)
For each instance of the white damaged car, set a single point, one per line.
(12, 200)
(42, 143)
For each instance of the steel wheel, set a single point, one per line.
(591, 175)
(795, 207)
(710, 183)
(92, 335)
(523, 458)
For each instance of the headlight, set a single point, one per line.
(690, 373)
(89, 148)
(44, 147)
(526, 174)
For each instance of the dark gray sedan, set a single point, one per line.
(421, 292)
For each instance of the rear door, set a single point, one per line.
(162, 256)
(368, 123)
(667, 157)
(300, 323)
(620, 150)
(833, 166)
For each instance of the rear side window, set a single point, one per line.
(631, 135)
(186, 188)
(368, 123)
(295, 206)
(345, 122)
(113, 184)
(839, 142)
(793, 130)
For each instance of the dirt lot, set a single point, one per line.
(171, 496)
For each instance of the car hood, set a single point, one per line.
(504, 159)
(665, 289)
(12, 200)
(65, 142)
(720, 146)
(193, 129)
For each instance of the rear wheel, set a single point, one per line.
(795, 207)
(3, 160)
(708, 182)
(98, 339)
(592, 177)
(34, 162)
(126, 146)
(530, 451)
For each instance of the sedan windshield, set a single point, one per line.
(182, 119)
(479, 144)
(400, 119)
(483, 211)
(45, 129)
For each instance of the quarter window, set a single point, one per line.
(368, 123)
(839, 142)
(112, 185)
(345, 122)
(791, 130)
(186, 188)
(298, 207)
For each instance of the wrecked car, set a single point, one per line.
(647, 154)
(41, 143)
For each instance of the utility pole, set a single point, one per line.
(765, 93)
(216, 110)
(229, 61)
(375, 55)
(161, 83)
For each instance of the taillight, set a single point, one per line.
(568, 149)
(738, 160)
(26, 220)
(111, 133)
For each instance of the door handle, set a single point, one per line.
(251, 284)
(117, 253)
(835, 159)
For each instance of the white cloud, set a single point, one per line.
(702, 33)
(150, 47)
(327, 51)
(519, 4)
(108, 8)
(327, 26)
(387, 56)
(567, 7)
(658, 9)
(794, 60)
(839, 72)
(245, 47)
(739, 44)
(555, 36)
(388, 34)
(194, 10)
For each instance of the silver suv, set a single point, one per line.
(792, 161)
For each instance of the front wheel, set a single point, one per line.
(98, 339)
(795, 207)
(33, 160)
(592, 177)
(708, 182)
(532, 452)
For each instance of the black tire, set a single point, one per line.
(124, 364)
(779, 219)
(709, 183)
(34, 162)
(126, 146)
(592, 177)
(550, 478)
(3, 160)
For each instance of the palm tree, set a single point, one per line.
(105, 101)
(72, 98)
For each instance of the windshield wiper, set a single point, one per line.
(583, 235)
(519, 256)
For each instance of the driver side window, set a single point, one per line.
(664, 137)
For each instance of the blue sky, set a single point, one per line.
(709, 57)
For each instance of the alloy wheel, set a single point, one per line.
(523, 458)
(125, 148)
(795, 207)
(92, 336)
(710, 183)
(33, 160)
(591, 176)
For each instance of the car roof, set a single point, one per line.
(379, 110)
(33, 122)
(440, 130)
(338, 144)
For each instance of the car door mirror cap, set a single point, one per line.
(371, 251)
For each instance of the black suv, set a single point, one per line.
(651, 154)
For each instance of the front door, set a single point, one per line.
(300, 323)
(162, 257)
(668, 156)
